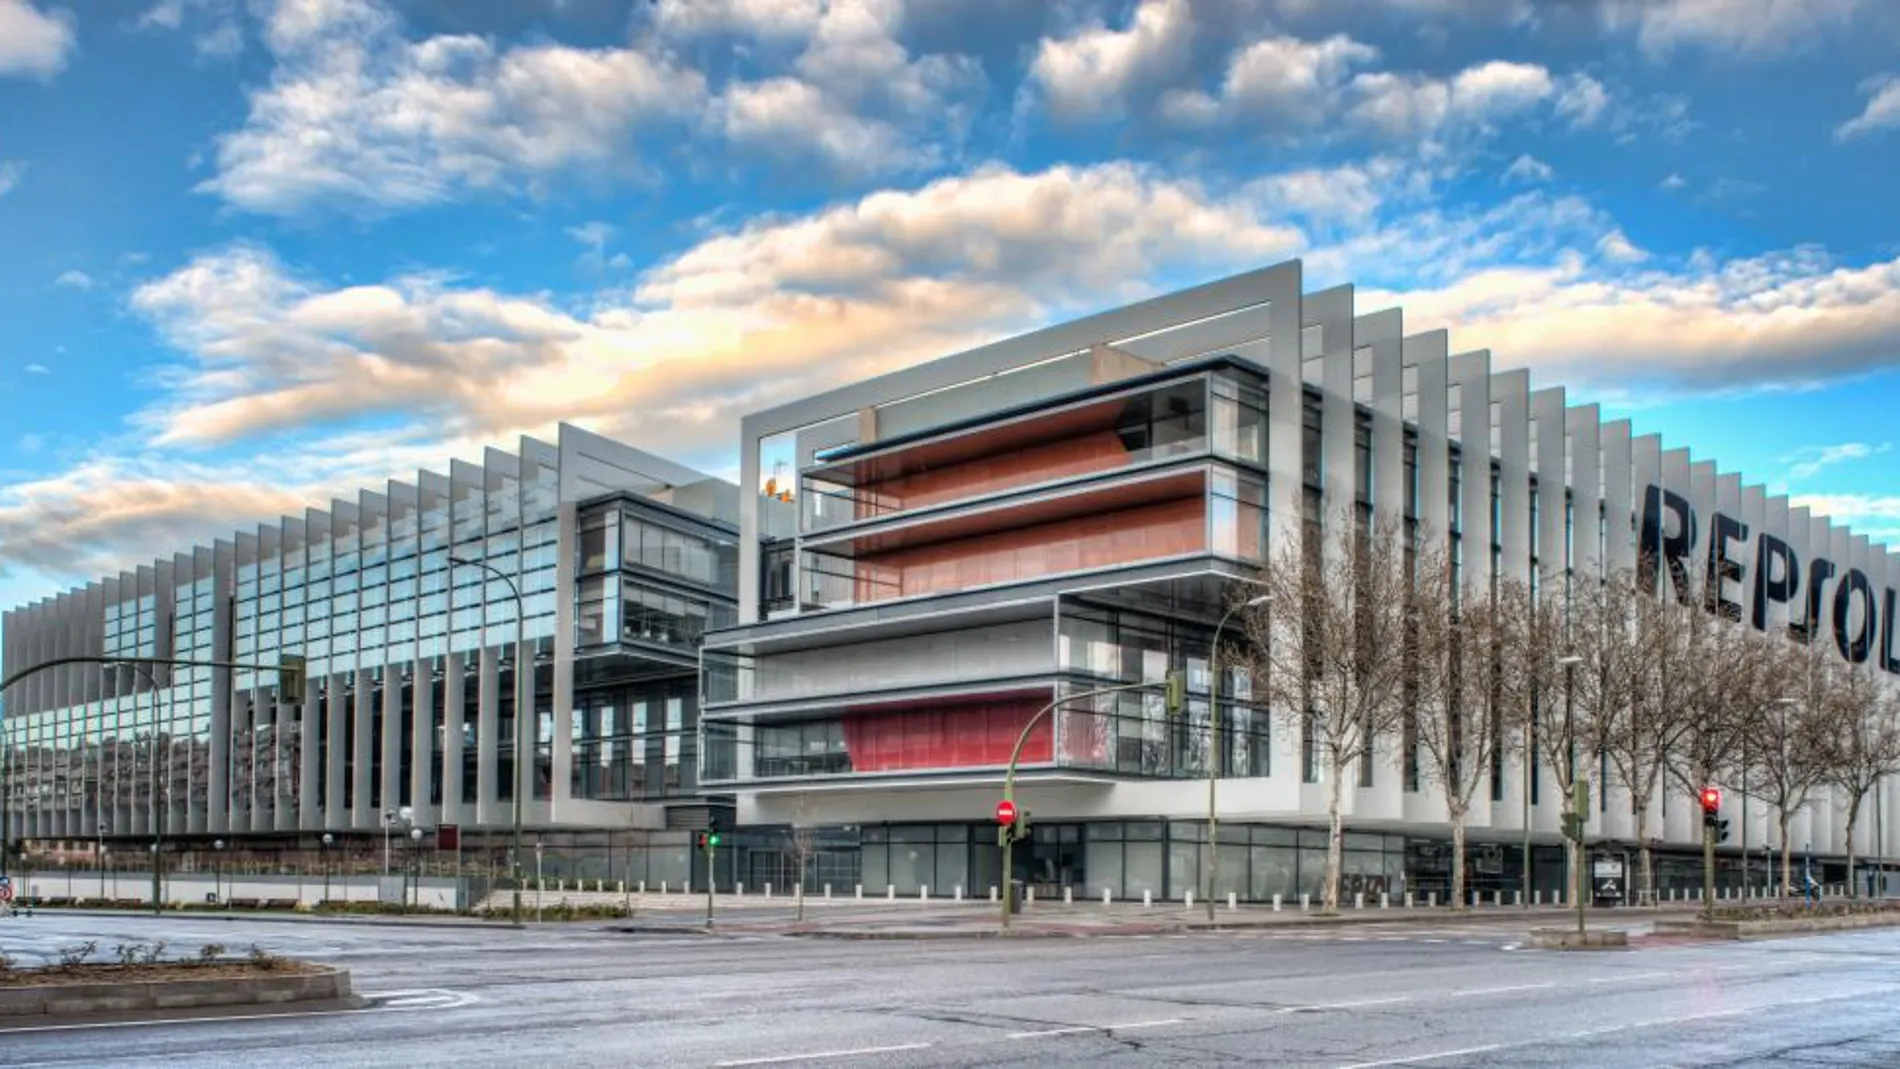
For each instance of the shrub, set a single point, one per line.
(74, 956)
(155, 953)
(128, 953)
(264, 959)
(210, 953)
(6, 964)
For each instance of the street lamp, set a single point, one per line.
(1568, 663)
(217, 869)
(323, 855)
(415, 854)
(524, 702)
(1212, 864)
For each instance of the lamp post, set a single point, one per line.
(102, 860)
(524, 702)
(160, 792)
(1214, 753)
(323, 856)
(1568, 663)
(415, 855)
(217, 869)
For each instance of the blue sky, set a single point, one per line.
(255, 252)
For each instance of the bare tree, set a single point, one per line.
(802, 840)
(1329, 649)
(1457, 697)
(1789, 739)
(1863, 742)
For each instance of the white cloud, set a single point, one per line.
(1850, 507)
(763, 19)
(357, 115)
(36, 369)
(1095, 72)
(1618, 248)
(10, 174)
(1528, 169)
(1807, 462)
(34, 43)
(1582, 100)
(78, 280)
(1673, 182)
(221, 36)
(1882, 111)
(1748, 27)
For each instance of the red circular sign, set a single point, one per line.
(1006, 812)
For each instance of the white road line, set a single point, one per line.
(1054, 1032)
(1626, 976)
(1141, 1024)
(6, 1030)
(1417, 1058)
(783, 1058)
(1322, 1006)
(1500, 990)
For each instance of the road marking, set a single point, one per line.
(6, 1030)
(1626, 976)
(1417, 1058)
(783, 1058)
(1141, 1024)
(1500, 990)
(1322, 1006)
(1054, 1032)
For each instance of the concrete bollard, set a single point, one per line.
(662, 886)
(738, 890)
(1147, 898)
(1232, 901)
(923, 893)
(827, 890)
(1537, 897)
(1358, 900)
(768, 890)
(798, 890)
(958, 893)
(643, 887)
(1408, 900)
(1029, 894)
(858, 891)
(1385, 900)
(890, 892)
(1431, 900)
(1187, 898)
(1276, 903)
(1108, 896)
(1517, 897)
(992, 892)
(1305, 901)
(1068, 896)
(621, 889)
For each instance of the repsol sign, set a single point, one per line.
(1862, 620)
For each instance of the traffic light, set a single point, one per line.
(1573, 826)
(290, 677)
(1721, 831)
(713, 828)
(1176, 693)
(1711, 800)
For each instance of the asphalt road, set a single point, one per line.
(1431, 994)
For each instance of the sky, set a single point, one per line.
(256, 253)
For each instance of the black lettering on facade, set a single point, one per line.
(1777, 578)
(1819, 570)
(1888, 660)
(1857, 646)
(1658, 545)
(1724, 569)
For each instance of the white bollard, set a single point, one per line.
(768, 890)
(1147, 898)
(1537, 896)
(1187, 898)
(923, 893)
(859, 891)
(662, 886)
(1276, 903)
(1232, 902)
(1385, 900)
(1359, 900)
(738, 890)
(1068, 896)
(1517, 897)
(890, 892)
(1305, 901)
(1029, 894)
(992, 892)
(958, 894)
(1408, 900)
(643, 887)
(1107, 896)
(798, 890)
(827, 890)
(1431, 900)
(621, 889)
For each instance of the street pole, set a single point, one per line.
(1214, 750)
(159, 791)
(1009, 781)
(710, 879)
(524, 701)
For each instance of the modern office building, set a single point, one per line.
(621, 560)
(931, 556)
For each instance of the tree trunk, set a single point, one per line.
(1853, 815)
(1329, 897)
(1782, 817)
(1457, 859)
(1645, 862)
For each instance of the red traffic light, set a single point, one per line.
(1006, 812)
(1711, 799)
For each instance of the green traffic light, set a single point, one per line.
(712, 840)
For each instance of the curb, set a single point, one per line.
(277, 918)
